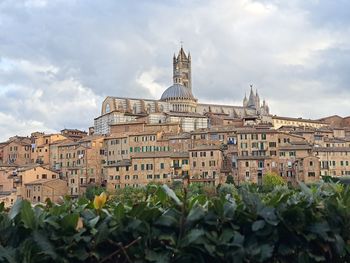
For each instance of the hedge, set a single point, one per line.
(236, 225)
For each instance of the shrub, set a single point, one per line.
(283, 225)
(270, 180)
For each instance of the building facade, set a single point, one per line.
(177, 104)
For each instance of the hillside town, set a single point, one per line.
(174, 139)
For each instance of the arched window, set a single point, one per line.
(108, 108)
(149, 108)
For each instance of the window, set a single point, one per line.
(273, 153)
(161, 165)
(272, 144)
(246, 164)
(135, 167)
(135, 176)
(117, 177)
(263, 136)
(165, 176)
(142, 167)
(127, 177)
(247, 175)
(311, 163)
(203, 164)
(194, 164)
(44, 176)
(156, 176)
(311, 174)
(211, 153)
(261, 164)
(149, 176)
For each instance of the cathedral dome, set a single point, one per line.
(177, 91)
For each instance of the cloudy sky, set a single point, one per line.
(60, 59)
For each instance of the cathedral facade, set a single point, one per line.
(177, 104)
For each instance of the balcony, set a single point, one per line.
(176, 166)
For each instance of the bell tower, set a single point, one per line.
(182, 69)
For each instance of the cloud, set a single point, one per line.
(59, 59)
(42, 100)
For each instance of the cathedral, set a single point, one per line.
(177, 104)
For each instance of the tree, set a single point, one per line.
(229, 179)
(271, 179)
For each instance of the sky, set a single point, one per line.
(60, 59)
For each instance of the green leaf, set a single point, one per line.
(171, 194)
(44, 244)
(119, 211)
(229, 209)
(159, 257)
(193, 236)
(266, 251)
(93, 222)
(161, 195)
(195, 214)
(102, 233)
(166, 220)
(305, 189)
(69, 222)
(257, 225)
(8, 254)
(16, 209)
(27, 215)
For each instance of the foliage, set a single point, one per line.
(271, 179)
(282, 225)
(93, 190)
(229, 179)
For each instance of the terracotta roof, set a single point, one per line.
(205, 147)
(295, 147)
(253, 157)
(297, 119)
(331, 149)
(185, 114)
(140, 155)
(43, 181)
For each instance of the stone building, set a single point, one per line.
(40, 190)
(79, 162)
(177, 104)
(17, 150)
(40, 148)
(27, 174)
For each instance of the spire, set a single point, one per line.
(182, 54)
(252, 99)
(245, 100)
